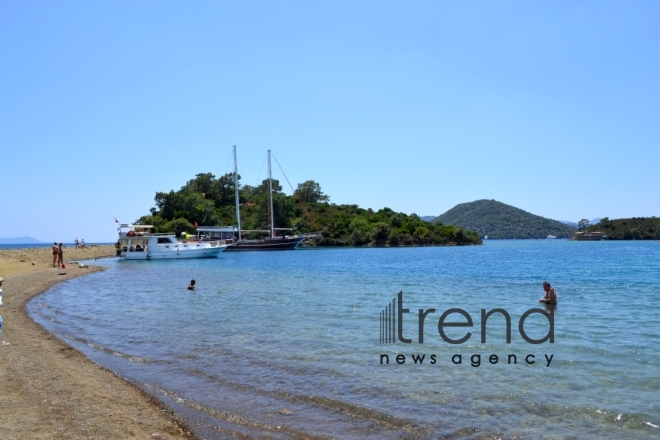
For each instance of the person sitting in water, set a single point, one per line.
(192, 285)
(550, 297)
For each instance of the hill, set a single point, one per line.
(636, 228)
(19, 240)
(499, 220)
(207, 200)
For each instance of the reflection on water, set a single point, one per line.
(300, 331)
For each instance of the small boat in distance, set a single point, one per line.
(137, 242)
(550, 237)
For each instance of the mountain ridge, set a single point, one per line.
(20, 240)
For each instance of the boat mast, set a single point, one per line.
(238, 210)
(270, 199)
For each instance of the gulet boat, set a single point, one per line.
(272, 241)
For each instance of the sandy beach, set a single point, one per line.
(18, 261)
(49, 390)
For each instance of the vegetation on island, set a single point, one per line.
(499, 220)
(636, 228)
(210, 201)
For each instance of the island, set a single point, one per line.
(207, 200)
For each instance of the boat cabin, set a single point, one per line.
(227, 233)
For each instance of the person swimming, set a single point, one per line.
(192, 285)
(550, 297)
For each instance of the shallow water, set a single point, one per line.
(301, 330)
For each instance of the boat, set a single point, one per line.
(272, 241)
(137, 242)
(550, 237)
(589, 236)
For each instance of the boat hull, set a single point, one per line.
(287, 244)
(174, 254)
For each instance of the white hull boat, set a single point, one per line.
(138, 243)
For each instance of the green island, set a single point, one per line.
(207, 200)
(636, 228)
(499, 220)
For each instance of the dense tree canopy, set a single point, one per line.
(636, 228)
(209, 201)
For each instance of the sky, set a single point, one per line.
(552, 107)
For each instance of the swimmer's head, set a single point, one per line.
(192, 282)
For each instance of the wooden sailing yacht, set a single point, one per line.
(272, 242)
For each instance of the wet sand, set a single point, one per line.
(49, 390)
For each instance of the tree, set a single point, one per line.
(583, 224)
(310, 192)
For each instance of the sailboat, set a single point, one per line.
(272, 242)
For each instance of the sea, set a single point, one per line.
(300, 344)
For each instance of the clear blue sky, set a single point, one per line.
(553, 107)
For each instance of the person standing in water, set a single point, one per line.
(192, 285)
(550, 297)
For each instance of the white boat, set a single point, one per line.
(137, 242)
(550, 237)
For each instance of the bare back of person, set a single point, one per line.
(550, 297)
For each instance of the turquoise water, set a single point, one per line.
(301, 330)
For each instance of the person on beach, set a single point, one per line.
(56, 253)
(550, 297)
(60, 255)
(192, 285)
(82, 243)
(76, 242)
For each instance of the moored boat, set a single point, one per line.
(137, 242)
(589, 236)
(272, 242)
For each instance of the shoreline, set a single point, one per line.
(50, 390)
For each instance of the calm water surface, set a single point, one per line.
(300, 330)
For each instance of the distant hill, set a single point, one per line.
(575, 225)
(499, 220)
(636, 228)
(19, 240)
(428, 218)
